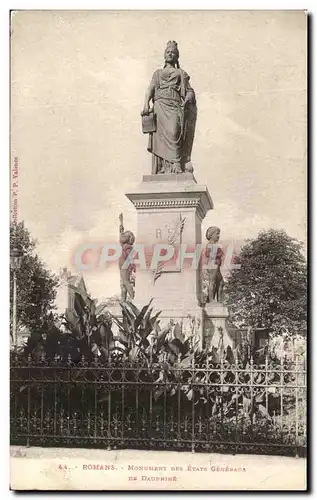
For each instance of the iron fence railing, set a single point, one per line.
(239, 408)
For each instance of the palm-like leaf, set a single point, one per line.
(161, 337)
(153, 320)
(132, 307)
(178, 334)
(141, 315)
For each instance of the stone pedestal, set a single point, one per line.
(215, 329)
(170, 207)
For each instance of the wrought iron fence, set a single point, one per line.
(235, 408)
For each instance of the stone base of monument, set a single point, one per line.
(215, 326)
(170, 209)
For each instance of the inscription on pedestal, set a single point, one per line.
(171, 234)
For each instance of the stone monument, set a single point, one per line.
(171, 205)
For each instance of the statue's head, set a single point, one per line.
(127, 238)
(213, 234)
(171, 54)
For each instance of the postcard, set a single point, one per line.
(158, 238)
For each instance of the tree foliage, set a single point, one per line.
(36, 285)
(270, 289)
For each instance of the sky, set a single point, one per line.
(78, 80)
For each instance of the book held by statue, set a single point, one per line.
(149, 123)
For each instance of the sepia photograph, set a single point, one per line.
(158, 250)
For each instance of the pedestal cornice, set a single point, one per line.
(171, 192)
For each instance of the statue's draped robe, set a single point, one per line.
(172, 142)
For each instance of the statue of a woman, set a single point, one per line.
(175, 111)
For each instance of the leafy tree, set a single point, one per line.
(36, 286)
(270, 288)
